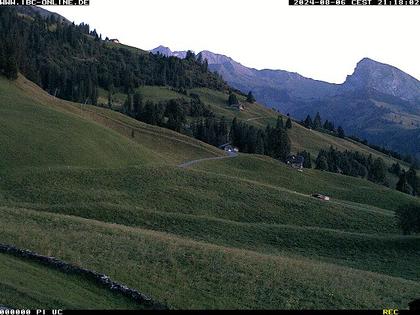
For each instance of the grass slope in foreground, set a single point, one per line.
(186, 273)
(30, 285)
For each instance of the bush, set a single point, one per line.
(409, 219)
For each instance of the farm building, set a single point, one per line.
(229, 148)
(295, 161)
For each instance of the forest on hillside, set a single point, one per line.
(71, 61)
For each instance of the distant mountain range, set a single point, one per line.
(377, 102)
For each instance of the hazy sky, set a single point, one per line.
(323, 43)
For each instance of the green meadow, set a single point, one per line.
(100, 190)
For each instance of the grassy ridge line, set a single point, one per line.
(339, 202)
(365, 251)
(141, 128)
(30, 285)
(346, 188)
(191, 274)
(124, 125)
(178, 191)
(33, 134)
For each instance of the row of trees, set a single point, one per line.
(317, 124)
(352, 164)
(211, 130)
(407, 182)
(173, 114)
(394, 154)
(71, 61)
(328, 126)
(271, 141)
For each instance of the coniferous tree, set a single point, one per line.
(149, 113)
(378, 171)
(321, 162)
(110, 93)
(307, 163)
(289, 123)
(250, 98)
(317, 124)
(340, 132)
(128, 104)
(402, 184)
(408, 217)
(279, 123)
(137, 103)
(279, 141)
(260, 143)
(412, 180)
(395, 169)
(308, 122)
(232, 100)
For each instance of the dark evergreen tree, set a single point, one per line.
(176, 115)
(402, 184)
(321, 162)
(307, 163)
(308, 122)
(317, 124)
(232, 100)
(279, 123)
(137, 104)
(378, 171)
(289, 123)
(128, 104)
(340, 132)
(110, 93)
(260, 143)
(250, 98)
(408, 217)
(412, 180)
(395, 169)
(279, 142)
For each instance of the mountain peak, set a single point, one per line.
(384, 78)
(166, 51)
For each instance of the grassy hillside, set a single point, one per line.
(234, 233)
(194, 274)
(267, 171)
(29, 285)
(33, 134)
(302, 138)
(257, 115)
(129, 142)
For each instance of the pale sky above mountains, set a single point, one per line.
(323, 43)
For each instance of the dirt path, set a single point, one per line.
(189, 163)
(255, 118)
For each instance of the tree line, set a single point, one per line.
(352, 163)
(71, 61)
(195, 118)
(407, 180)
(329, 127)
(317, 124)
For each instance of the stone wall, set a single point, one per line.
(100, 279)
